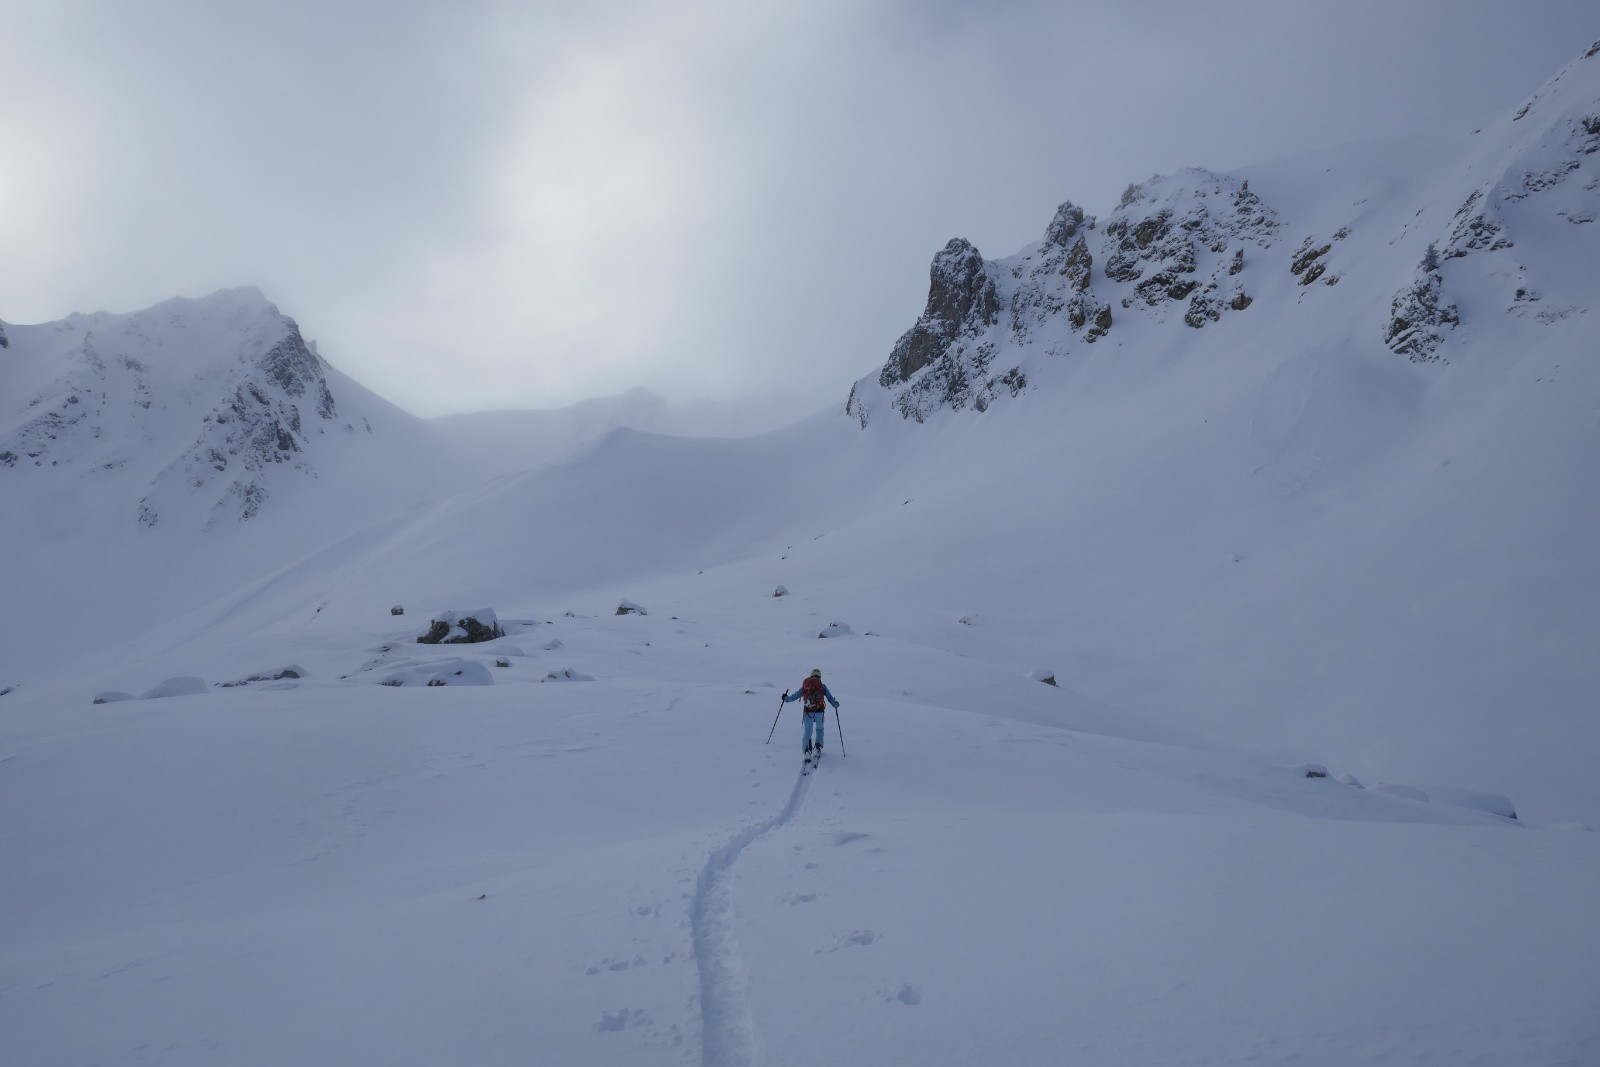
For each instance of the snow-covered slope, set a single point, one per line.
(522, 439)
(1182, 462)
(1431, 250)
(151, 461)
(203, 406)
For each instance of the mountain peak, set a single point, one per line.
(220, 392)
(1197, 247)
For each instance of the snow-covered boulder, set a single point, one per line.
(398, 609)
(837, 629)
(462, 627)
(112, 696)
(445, 672)
(567, 674)
(628, 607)
(184, 686)
(780, 591)
(1041, 675)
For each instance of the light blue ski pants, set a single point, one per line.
(814, 721)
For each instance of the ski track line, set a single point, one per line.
(728, 1034)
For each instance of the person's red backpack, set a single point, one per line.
(811, 694)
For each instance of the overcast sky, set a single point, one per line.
(491, 204)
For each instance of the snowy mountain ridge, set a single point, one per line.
(1208, 244)
(111, 393)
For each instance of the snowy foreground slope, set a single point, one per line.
(1287, 535)
(620, 871)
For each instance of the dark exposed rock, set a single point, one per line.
(1101, 326)
(1305, 262)
(1056, 277)
(961, 300)
(290, 673)
(856, 407)
(457, 628)
(258, 427)
(1167, 236)
(1586, 137)
(1064, 228)
(295, 369)
(1205, 307)
(1474, 229)
(1416, 316)
(1078, 265)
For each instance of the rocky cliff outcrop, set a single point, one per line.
(1172, 241)
(258, 426)
(1197, 249)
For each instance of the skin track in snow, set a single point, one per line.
(729, 1036)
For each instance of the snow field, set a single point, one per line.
(294, 874)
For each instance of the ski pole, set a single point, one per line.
(840, 725)
(775, 717)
